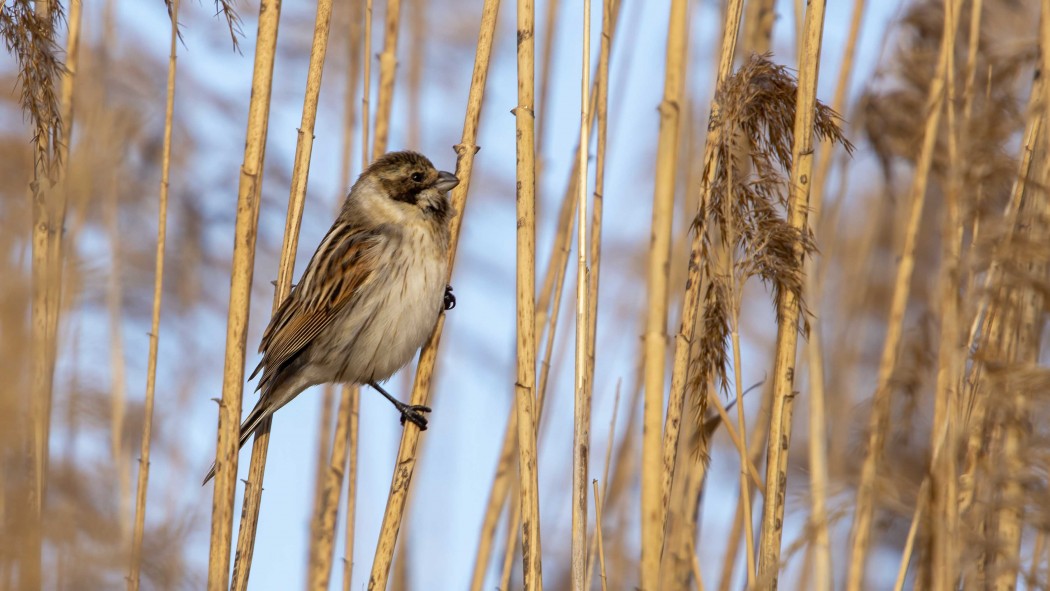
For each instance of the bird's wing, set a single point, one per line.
(345, 262)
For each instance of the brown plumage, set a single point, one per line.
(371, 293)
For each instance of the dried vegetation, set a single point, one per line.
(914, 273)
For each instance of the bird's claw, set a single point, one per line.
(450, 298)
(414, 413)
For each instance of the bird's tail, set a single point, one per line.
(263, 409)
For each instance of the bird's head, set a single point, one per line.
(405, 185)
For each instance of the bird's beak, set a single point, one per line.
(446, 182)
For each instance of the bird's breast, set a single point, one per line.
(395, 318)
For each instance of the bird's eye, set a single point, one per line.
(417, 177)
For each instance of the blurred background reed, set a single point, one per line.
(866, 277)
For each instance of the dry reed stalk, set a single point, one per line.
(512, 542)
(971, 59)
(758, 26)
(286, 268)
(498, 493)
(326, 508)
(788, 304)
(356, 52)
(248, 194)
(694, 279)
(28, 31)
(609, 13)
(695, 564)
(727, 256)
(387, 69)
(416, 56)
(551, 26)
(838, 104)
(351, 484)
(655, 345)
(154, 334)
(465, 152)
(1038, 547)
(366, 60)
(610, 9)
(676, 564)
(756, 445)
(1044, 45)
(324, 440)
(118, 374)
(944, 503)
(581, 437)
(879, 418)
(525, 396)
(598, 531)
(818, 453)
(909, 543)
(611, 438)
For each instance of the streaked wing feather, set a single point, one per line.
(339, 272)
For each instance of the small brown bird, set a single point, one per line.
(371, 294)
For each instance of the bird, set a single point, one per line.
(371, 294)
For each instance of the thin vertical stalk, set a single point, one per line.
(609, 13)
(909, 543)
(605, 478)
(366, 59)
(356, 51)
(944, 490)
(1044, 45)
(285, 269)
(351, 484)
(154, 334)
(818, 453)
(788, 302)
(747, 520)
(387, 70)
(694, 274)
(598, 534)
(551, 22)
(513, 518)
(324, 441)
(756, 444)
(406, 456)
(727, 260)
(525, 396)
(581, 439)
(46, 299)
(838, 104)
(322, 527)
(658, 279)
(879, 418)
(248, 195)
(498, 493)
(758, 25)
(118, 369)
(417, 35)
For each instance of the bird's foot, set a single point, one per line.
(450, 298)
(409, 412)
(414, 413)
